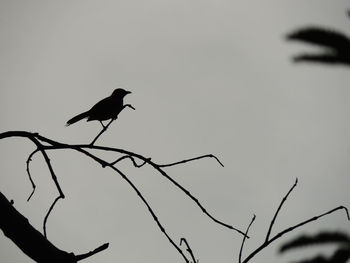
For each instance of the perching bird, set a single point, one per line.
(106, 109)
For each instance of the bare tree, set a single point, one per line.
(38, 247)
(12, 228)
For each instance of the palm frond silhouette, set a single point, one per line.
(341, 240)
(335, 45)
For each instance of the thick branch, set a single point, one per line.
(17, 228)
(41, 148)
(91, 253)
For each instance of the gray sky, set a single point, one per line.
(207, 77)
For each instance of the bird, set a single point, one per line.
(107, 108)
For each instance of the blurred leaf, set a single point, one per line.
(335, 44)
(339, 256)
(321, 238)
(322, 37)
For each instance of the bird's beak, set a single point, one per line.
(128, 92)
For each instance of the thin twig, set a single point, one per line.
(194, 199)
(282, 233)
(102, 131)
(49, 212)
(278, 210)
(28, 172)
(244, 238)
(161, 171)
(155, 218)
(189, 250)
(91, 253)
(54, 178)
(132, 160)
(190, 160)
(57, 145)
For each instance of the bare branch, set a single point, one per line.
(28, 172)
(155, 218)
(282, 233)
(155, 166)
(15, 226)
(91, 253)
(54, 178)
(53, 145)
(278, 209)
(189, 250)
(190, 160)
(132, 159)
(18, 229)
(161, 171)
(310, 220)
(102, 131)
(49, 212)
(269, 240)
(57, 145)
(244, 238)
(34, 138)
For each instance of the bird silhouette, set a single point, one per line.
(106, 109)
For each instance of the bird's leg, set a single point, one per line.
(105, 127)
(102, 125)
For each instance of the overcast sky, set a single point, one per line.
(206, 77)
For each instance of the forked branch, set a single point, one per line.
(278, 210)
(189, 250)
(44, 144)
(15, 226)
(269, 240)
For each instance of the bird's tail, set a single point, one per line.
(77, 118)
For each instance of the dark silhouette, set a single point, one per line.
(17, 228)
(269, 239)
(44, 144)
(106, 109)
(340, 255)
(335, 44)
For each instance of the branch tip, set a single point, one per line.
(244, 238)
(217, 159)
(91, 253)
(346, 211)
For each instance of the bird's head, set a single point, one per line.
(120, 93)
